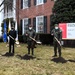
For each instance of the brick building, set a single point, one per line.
(34, 12)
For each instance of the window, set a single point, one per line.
(39, 2)
(40, 24)
(25, 4)
(25, 25)
(53, 0)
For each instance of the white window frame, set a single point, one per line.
(38, 2)
(55, 0)
(24, 2)
(39, 26)
(23, 26)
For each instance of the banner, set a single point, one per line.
(68, 30)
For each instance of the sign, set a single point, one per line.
(68, 30)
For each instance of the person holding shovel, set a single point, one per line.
(12, 37)
(31, 34)
(57, 33)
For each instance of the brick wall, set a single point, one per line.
(33, 11)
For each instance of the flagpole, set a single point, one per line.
(16, 33)
(16, 30)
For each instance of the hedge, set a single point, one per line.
(48, 40)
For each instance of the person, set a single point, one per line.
(31, 34)
(57, 33)
(12, 37)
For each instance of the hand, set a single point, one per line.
(51, 34)
(26, 34)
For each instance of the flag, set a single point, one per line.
(16, 31)
(9, 28)
(5, 34)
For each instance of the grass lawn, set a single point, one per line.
(42, 63)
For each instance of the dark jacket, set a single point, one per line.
(12, 33)
(57, 33)
(31, 33)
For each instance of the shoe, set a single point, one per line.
(32, 54)
(35, 47)
(54, 56)
(59, 55)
